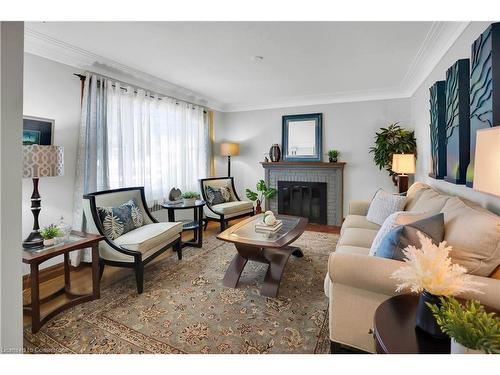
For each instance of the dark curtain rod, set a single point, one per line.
(83, 78)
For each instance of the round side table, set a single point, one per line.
(394, 329)
(195, 225)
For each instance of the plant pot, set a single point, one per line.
(49, 242)
(425, 320)
(275, 153)
(332, 160)
(457, 348)
(258, 208)
(188, 201)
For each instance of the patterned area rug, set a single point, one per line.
(185, 308)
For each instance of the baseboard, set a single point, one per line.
(49, 273)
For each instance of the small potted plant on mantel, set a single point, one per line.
(471, 328)
(333, 156)
(265, 192)
(189, 198)
(49, 234)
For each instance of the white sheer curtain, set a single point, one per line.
(155, 142)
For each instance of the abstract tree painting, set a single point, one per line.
(438, 130)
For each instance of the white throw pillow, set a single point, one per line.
(395, 219)
(384, 204)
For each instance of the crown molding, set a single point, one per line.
(53, 49)
(439, 39)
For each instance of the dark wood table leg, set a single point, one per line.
(35, 299)
(67, 270)
(277, 261)
(171, 215)
(199, 231)
(234, 271)
(96, 290)
(296, 251)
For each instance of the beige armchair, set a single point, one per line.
(138, 247)
(234, 209)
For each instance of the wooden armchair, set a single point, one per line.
(233, 209)
(138, 247)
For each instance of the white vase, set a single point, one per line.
(457, 348)
(189, 201)
(48, 242)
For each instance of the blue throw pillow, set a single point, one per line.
(117, 221)
(402, 236)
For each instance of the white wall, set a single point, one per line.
(52, 91)
(11, 107)
(420, 119)
(348, 127)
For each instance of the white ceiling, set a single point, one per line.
(211, 62)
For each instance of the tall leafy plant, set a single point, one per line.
(392, 140)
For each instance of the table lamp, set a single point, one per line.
(229, 149)
(403, 164)
(487, 161)
(40, 161)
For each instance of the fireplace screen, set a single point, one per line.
(306, 199)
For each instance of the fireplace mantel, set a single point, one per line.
(331, 173)
(311, 164)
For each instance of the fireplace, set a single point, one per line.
(306, 199)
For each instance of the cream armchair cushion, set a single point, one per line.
(233, 207)
(149, 237)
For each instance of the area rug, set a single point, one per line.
(186, 309)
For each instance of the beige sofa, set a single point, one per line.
(357, 283)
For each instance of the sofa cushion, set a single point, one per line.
(352, 250)
(357, 237)
(413, 194)
(429, 201)
(397, 218)
(402, 236)
(358, 221)
(149, 236)
(233, 207)
(474, 234)
(384, 204)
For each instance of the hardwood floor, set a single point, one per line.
(81, 276)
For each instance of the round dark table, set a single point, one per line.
(195, 225)
(395, 332)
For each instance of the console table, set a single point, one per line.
(77, 241)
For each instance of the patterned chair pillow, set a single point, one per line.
(117, 221)
(217, 196)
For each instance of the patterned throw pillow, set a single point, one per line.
(384, 204)
(218, 196)
(117, 221)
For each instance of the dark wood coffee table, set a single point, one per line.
(394, 329)
(272, 249)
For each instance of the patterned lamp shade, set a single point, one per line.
(43, 161)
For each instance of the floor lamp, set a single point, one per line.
(229, 149)
(403, 164)
(40, 161)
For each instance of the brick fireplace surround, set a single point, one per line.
(331, 173)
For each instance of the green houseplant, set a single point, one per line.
(392, 140)
(49, 233)
(470, 327)
(265, 192)
(333, 155)
(189, 197)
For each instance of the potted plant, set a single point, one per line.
(189, 198)
(49, 234)
(333, 155)
(471, 328)
(265, 192)
(392, 140)
(429, 271)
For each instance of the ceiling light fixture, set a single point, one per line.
(258, 58)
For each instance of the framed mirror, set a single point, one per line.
(302, 137)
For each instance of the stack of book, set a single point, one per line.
(264, 228)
